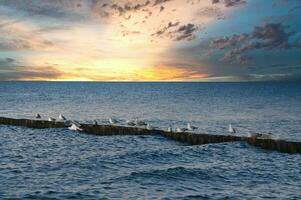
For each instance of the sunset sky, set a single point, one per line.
(150, 40)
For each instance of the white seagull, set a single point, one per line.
(74, 127)
(191, 128)
(169, 129)
(130, 122)
(140, 122)
(62, 117)
(95, 122)
(181, 130)
(112, 121)
(50, 119)
(231, 129)
(38, 116)
(150, 127)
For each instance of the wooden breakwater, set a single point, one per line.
(276, 145)
(198, 138)
(188, 138)
(102, 130)
(269, 144)
(40, 124)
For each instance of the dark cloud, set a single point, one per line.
(122, 9)
(10, 60)
(7, 61)
(28, 73)
(46, 8)
(23, 44)
(10, 70)
(229, 3)
(268, 37)
(183, 32)
(161, 8)
(213, 12)
(164, 29)
(14, 44)
(159, 2)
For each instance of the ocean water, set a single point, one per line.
(60, 164)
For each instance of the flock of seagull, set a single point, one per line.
(76, 126)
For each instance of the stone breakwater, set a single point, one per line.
(187, 138)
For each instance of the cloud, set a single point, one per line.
(125, 33)
(159, 2)
(167, 73)
(229, 3)
(18, 44)
(46, 8)
(183, 32)
(124, 8)
(28, 73)
(12, 69)
(213, 12)
(6, 61)
(164, 29)
(269, 36)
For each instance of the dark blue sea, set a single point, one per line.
(61, 164)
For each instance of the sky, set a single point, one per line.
(150, 40)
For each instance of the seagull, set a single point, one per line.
(130, 122)
(50, 119)
(231, 129)
(169, 129)
(95, 122)
(191, 128)
(139, 122)
(112, 121)
(74, 127)
(61, 117)
(150, 127)
(181, 130)
(38, 116)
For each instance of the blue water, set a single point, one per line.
(61, 164)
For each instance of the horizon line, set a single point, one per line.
(234, 81)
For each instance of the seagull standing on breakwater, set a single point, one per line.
(139, 122)
(181, 130)
(130, 122)
(191, 128)
(112, 121)
(169, 129)
(231, 129)
(50, 119)
(62, 117)
(150, 127)
(38, 116)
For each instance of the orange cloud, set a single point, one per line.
(157, 73)
(167, 73)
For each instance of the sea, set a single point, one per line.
(63, 164)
